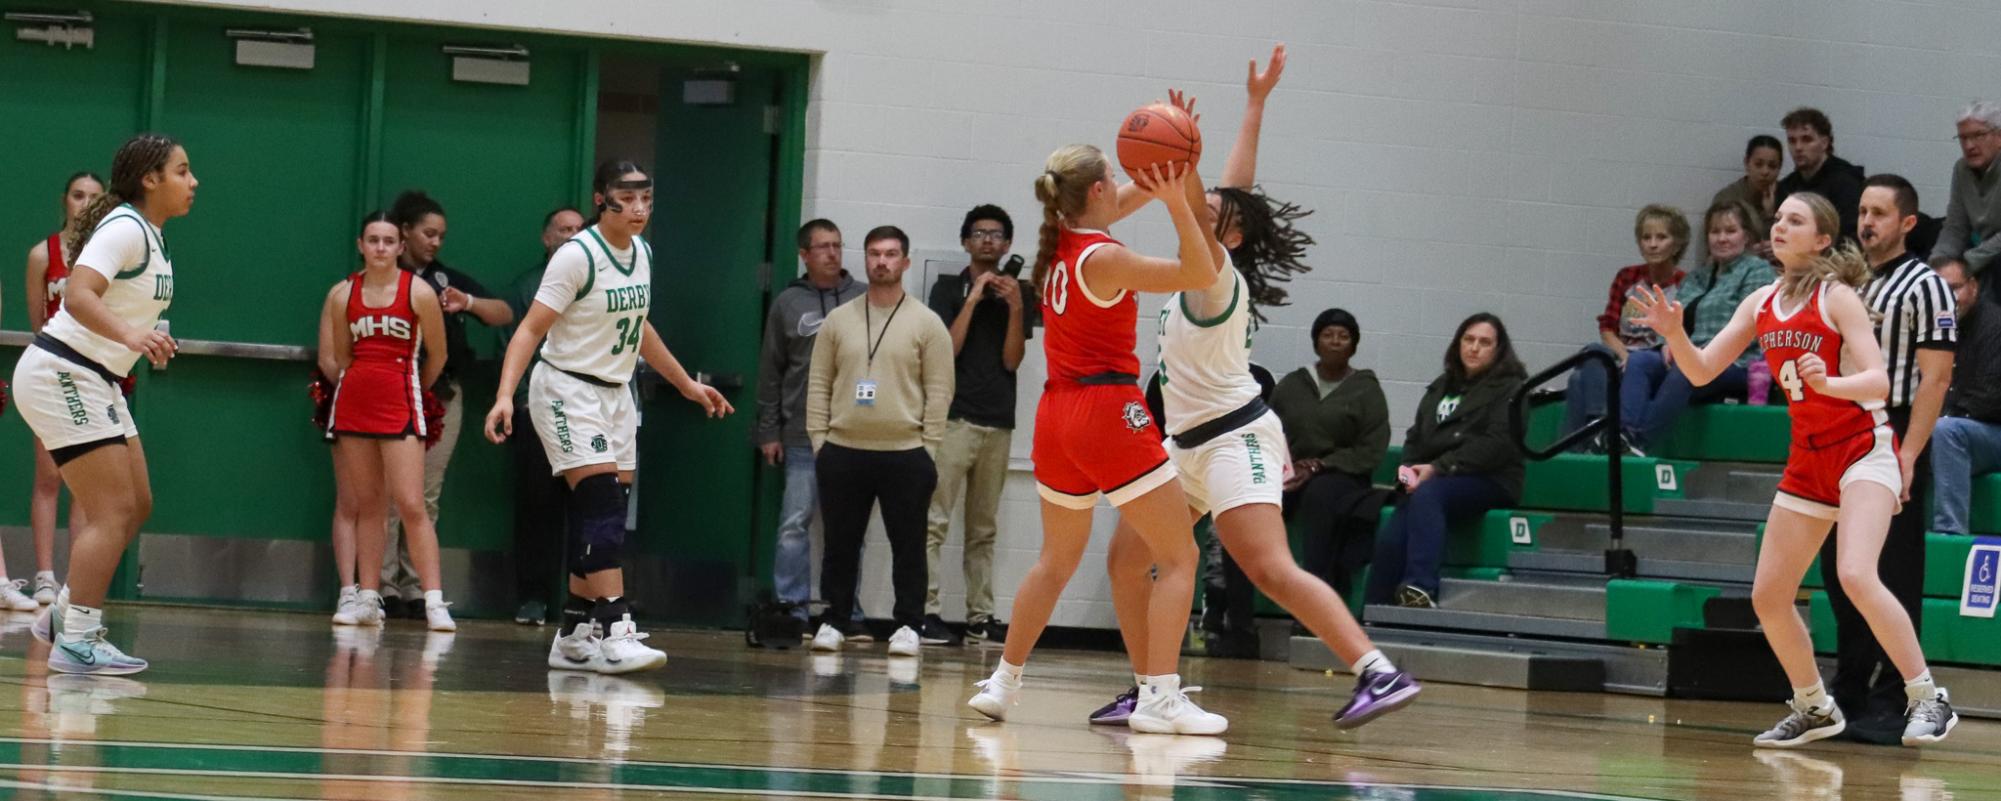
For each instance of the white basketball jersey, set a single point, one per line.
(129, 252)
(1205, 364)
(601, 296)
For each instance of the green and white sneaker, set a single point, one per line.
(92, 654)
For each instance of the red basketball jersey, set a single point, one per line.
(56, 280)
(1086, 336)
(1817, 419)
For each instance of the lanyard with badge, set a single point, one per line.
(865, 389)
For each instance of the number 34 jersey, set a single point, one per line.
(600, 295)
(1817, 419)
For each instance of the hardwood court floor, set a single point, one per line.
(246, 705)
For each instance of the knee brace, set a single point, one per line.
(597, 524)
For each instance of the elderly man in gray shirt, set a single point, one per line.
(1972, 230)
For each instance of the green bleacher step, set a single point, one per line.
(1648, 611)
(1945, 564)
(1576, 482)
(1728, 432)
(1943, 633)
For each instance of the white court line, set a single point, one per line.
(1065, 778)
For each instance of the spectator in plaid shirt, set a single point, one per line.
(1662, 235)
(1655, 391)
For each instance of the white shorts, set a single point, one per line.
(1814, 479)
(68, 404)
(582, 423)
(1245, 466)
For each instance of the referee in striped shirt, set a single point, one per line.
(1915, 322)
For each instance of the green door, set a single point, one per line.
(61, 111)
(711, 233)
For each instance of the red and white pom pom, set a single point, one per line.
(321, 391)
(434, 419)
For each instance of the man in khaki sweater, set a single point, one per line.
(876, 398)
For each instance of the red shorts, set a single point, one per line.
(1093, 440)
(375, 400)
(1815, 477)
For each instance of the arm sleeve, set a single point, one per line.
(770, 380)
(939, 380)
(568, 276)
(470, 285)
(1937, 320)
(819, 377)
(1615, 302)
(942, 297)
(1362, 456)
(119, 244)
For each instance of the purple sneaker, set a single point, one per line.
(1118, 711)
(1375, 696)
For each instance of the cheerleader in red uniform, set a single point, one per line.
(48, 275)
(383, 318)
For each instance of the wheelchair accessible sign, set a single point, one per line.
(1983, 579)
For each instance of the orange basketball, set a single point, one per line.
(1158, 134)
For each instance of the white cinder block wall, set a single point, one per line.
(1461, 154)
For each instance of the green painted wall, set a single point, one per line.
(290, 159)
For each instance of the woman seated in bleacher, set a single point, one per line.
(1662, 235)
(1337, 428)
(1459, 461)
(1655, 392)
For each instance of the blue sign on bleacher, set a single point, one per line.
(1983, 579)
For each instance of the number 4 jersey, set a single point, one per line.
(600, 295)
(1835, 442)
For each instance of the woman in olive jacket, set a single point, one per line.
(1337, 428)
(1459, 460)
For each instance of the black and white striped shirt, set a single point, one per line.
(1914, 309)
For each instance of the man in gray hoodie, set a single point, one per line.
(789, 331)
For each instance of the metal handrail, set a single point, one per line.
(202, 347)
(1620, 561)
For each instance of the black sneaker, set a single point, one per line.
(934, 632)
(532, 613)
(986, 630)
(1410, 596)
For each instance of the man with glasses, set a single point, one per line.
(1972, 231)
(984, 309)
(789, 332)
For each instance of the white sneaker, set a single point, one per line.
(622, 652)
(997, 694)
(904, 642)
(368, 608)
(577, 650)
(45, 589)
(1165, 709)
(439, 618)
(828, 639)
(13, 599)
(346, 609)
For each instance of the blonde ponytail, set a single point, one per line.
(1063, 188)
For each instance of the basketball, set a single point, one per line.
(1158, 134)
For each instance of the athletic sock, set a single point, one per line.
(1009, 670)
(46, 574)
(1164, 683)
(610, 610)
(576, 611)
(433, 598)
(1373, 663)
(1814, 698)
(80, 620)
(1138, 680)
(1921, 688)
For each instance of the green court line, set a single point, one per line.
(447, 769)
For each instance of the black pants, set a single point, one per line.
(851, 483)
(1337, 527)
(1866, 684)
(539, 535)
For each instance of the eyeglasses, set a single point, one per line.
(988, 236)
(1965, 138)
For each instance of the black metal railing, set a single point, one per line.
(1619, 560)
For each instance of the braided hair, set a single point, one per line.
(1063, 188)
(1272, 246)
(140, 156)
